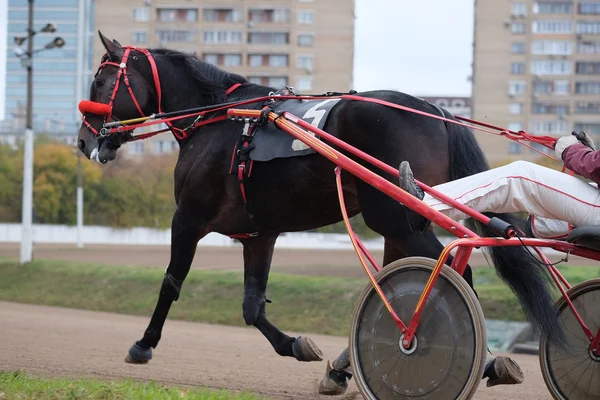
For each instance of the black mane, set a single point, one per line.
(213, 80)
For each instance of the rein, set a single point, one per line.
(128, 126)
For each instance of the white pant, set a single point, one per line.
(554, 198)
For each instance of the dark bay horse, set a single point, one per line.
(289, 194)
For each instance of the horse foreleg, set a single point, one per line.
(258, 253)
(184, 240)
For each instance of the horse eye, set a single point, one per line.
(99, 83)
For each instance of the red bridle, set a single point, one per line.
(106, 110)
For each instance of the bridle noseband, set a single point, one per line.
(106, 110)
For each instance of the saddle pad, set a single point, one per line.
(269, 142)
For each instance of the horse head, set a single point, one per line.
(123, 88)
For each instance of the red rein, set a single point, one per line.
(105, 110)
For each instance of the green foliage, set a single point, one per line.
(18, 385)
(125, 193)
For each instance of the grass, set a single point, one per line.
(17, 386)
(300, 303)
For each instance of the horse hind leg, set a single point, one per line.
(258, 253)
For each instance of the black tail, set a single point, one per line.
(526, 276)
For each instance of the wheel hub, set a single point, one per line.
(408, 350)
(595, 354)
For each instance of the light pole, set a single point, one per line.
(27, 62)
(79, 201)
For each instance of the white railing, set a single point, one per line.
(63, 234)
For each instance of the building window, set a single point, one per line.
(548, 67)
(268, 37)
(176, 36)
(515, 108)
(557, 87)
(515, 126)
(272, 81)
(588, 27)
(277, 15)
(222, 37)
(516, 88)
(255, 60)
(551, 47)
(278, 61)
(222, 15)
(306, 17)
(519, 9)
(517, 48)
(305, 40)
(212, 59)
(589, 7)
(303, 83)
(555, 127)
(305, 62)
(517, 68)
(553, 7)
(587, 68)
(552, 27)
(517, 27)
(589, 128)
(587, 107)
(140, 14)
(550, 108)
(514, 148)
(227, 60)
(136, 147)
(139, 37)
(592, 87)
(177, 14)
(232, 60)
(588, 47)
(562, 87)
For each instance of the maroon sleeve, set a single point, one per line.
(583, 161)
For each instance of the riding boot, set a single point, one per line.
(416, 221)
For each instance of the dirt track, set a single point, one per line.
(63, 342)
(343, 263)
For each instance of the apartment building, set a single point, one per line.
(536, 66)
(61, 76)
(307, 44)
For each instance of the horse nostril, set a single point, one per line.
(82, 145)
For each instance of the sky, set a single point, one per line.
(419, 47)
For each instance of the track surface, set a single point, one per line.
(343, 263)
(63, 342)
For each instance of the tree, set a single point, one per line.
(11, 173)
(136, 192)
(55, 183)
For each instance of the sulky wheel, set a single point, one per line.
(575, 374)
(447, 358)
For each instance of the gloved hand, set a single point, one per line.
(585, 139)
(562, 143)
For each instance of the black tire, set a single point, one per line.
(450, 354)
(575, 375)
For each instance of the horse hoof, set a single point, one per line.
(138, 355)
(305, 349)
(332, 384)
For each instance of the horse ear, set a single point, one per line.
(116, 43)
(112, 47)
